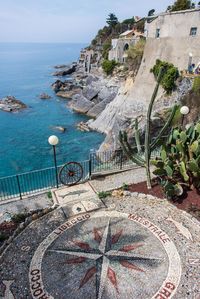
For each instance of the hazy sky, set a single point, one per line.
(65, 20)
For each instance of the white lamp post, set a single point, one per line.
(184, 111)
(53, 140)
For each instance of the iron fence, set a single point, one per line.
(32, 182)
(40, 180)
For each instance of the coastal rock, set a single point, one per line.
(90, 79)
(108, 92)
(80, 104)
(56, 86)
(11, 104)
(44, 96)
(59, 128)
(66, 71)
(98, 108)
(90, 93)
(66, 85)
(60, 66)
(68, 94)
(83, 127)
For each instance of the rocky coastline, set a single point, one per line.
(87, 93)
(112, 102)
(11, 104)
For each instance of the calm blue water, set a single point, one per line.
(25, 72)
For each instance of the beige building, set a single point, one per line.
(122, 44)
(177, 36)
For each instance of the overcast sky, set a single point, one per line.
(65, 20)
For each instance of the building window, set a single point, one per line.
(157, 33)
(193, 31)
(126, 47)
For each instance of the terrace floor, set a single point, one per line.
(135, 246)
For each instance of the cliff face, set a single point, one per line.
(132, 99)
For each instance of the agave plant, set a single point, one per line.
(179, 163)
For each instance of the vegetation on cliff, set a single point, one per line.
(181, 5)
(108, 66)
(135, 54)
(170, 76)
(102, 40)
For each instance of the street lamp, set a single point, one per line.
(53, 140)
(190, 63)
(184, 111)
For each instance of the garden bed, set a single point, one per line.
(189, 202)
(10, 229)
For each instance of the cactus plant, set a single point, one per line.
(149, 146)
(179, 161)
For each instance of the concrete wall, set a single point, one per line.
(174, 24)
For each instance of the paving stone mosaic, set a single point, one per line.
(138, 247)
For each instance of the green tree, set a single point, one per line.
(112, 20)
(130, 21)
(181, 5)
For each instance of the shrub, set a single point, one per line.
(135, 54)
(18, 218)
(182, 5)
(104, 194)
(49, 194)
(108, 66)
(125, 187)
(170, 76)
(196, 86)
(106, 48)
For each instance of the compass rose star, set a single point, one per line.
(102, 256)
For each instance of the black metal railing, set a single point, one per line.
(40, 180)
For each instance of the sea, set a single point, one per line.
(26, 72)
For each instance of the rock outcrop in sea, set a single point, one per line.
(44, 96)
(11, 104)
(66, 71)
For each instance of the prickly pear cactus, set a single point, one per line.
(179, 162)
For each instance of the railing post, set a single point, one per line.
(19, 188)
(90, 165)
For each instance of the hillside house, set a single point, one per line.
(122, 44)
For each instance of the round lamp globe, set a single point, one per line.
(184, 110)
(53, 140)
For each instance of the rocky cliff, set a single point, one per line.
(133, 98)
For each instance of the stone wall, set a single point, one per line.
(174, 24)
(117, 52)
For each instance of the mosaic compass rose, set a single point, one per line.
(103, 255)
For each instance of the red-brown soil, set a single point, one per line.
(189, 202)
(6, 230)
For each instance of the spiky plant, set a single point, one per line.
(149, 146)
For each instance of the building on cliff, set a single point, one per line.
(177, 36)
(89, 59)
(122, 44)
